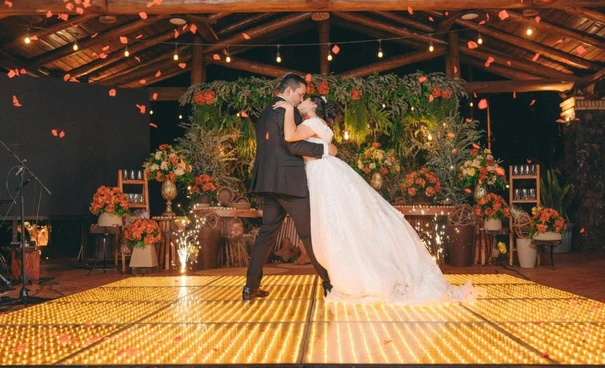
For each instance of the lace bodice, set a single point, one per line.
(321, 129)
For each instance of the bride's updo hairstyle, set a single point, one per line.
(328, 110)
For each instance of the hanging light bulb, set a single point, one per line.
(329, 53)
(75, 46)
(27, 39)
(529, 31)
(380, 54)
(346, 135)
(228, 57)
(126, 52)
(150, 112)
(471, 104)
(278, 57)
(176, 54)
(431, 47)
(180, 117)
(479, 39)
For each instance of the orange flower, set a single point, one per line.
(310, 88)
(199, 98)
(355, 94)
(110, 200)
(142, 232)
(323, 87)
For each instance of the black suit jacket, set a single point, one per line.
(279, 166)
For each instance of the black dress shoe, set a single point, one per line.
(248, 293)
(327, 291)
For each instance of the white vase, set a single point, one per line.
(109, 219)
(492, 224)
(549, 235)
(527, 253)
(144, 257)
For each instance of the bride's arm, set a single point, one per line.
(293, 133)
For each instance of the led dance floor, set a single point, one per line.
(201, 320)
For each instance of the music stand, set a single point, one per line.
(24, 296)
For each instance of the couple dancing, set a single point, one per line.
(363, 249)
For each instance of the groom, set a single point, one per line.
(279, 176)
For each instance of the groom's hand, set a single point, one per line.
(332, 150)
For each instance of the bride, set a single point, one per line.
(372, 254)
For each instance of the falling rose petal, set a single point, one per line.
(560, 121)
(245, 35)
(509, 63)
(335, 49)
(69, 6)
(185, 27)
(422, 79)
(468, 120)
(489, 61)
(410, 10)
(467, 190)
(95, 55)
(308, 78)
(182, 65)
(482, 104)
(431, 98)
(487, 16)
(386, 342)
(8, 3)
(112, 92)
(582, 231)
(61, 135)
(11, 74)
(123, 40)
(559, 41)
(139, 37)
(472, 45)
(158, 73)
(193, 29)
(216, 57)
(16, 102)
(158, 2)
(153, 125)
(528, 160)
(64, 17)
(141, 108)
(431, 19)
(154, 96)
(580, 49)
(475, 94)
(138, 59)
(66, 77)
(142, 81)
(503, 14)
(476, 146)
(176, 34)
(54, 132)
(532, 102)
(482, 22)
(150, 4)
(21, 347)
(447, 13)
(102, 55)
(455, 69)
(451, 135)
(244, 114)
(106, 48)
(537, 19)
(453, 150)
(178, 338)
(536, 56)
(514, 95)
(143, 15)
(86, 3)
(49, 14)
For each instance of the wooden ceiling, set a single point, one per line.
(566, 49)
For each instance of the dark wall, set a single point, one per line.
(102, 134)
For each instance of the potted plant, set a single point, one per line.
(546, 224)
(492, 208)
(560, 198)
(110, 204)
(421, 186)
(203, 188)
(480, 171)
(143, 234)
(167, 165)
(375, 163)
(526, 251)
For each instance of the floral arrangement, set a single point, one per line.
(203, 184)
(482, 169)
(546, 219)
(142, 232)
(374, 159)
(110, 200)
(492, 206)
(204, 98)
(167, 163)
(502, 247)
(422, 183)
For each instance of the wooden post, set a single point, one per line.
(198, 71)
(452, 60)
(324, 39)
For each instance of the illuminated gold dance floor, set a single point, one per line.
(197, 320)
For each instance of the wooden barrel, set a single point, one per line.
(32, 264)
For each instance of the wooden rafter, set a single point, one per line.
(52, 29)
(118, 55)
(409, 22)
(376, 33)
(88, 42)
(394, 62)
(198, 71)
(519, 86)
(447, 22)
(147, 72)
(244, 23)
(12, 62)
(28, 7)
(553, 29)
(498, 70)
(167, 74)
(586, 81)
(166, 93)
(324, 48)
(254, 67)
(586, 13)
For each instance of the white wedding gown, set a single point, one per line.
(372, 254)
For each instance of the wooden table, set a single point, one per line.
(551, 244)
(113, 232)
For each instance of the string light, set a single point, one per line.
(346, 135)
(126, 52)
(278, 57)
(431, 47)
(150, 112)
(176, 54)
(479, 39)
(75, 46)
(228, 57)
(471, 104)
(529, 31)
(180, 116)
(329, 53)
(380, 54)
(27, 39)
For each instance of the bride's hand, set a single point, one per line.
(284, 104)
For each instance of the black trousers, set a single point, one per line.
(275, 208)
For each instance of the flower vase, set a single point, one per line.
(527, 252)
(492, 224)
(202, 201)
(549, 235)
(144, 257)
(377, 180)
(168, 193)
(420, 201)
(480, 192)
(109, 219)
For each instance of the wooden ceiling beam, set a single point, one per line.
(12, 62)
(118, 55)
(406, 21)
(244, 23)
(394, 62)
(253, 67)
(167, 93)
(52, 29)
(447, 22)
(588, 80)
(88, 42)
(147, 72)
(166, 75)
(256, 32)
(375, 33)
(586, 13)
(550, 28)
(33, 7)
(402, 32)
(537, 85)
(505, 72)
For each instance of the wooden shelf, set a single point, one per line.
(133, 181)
(524, 201)
(511, 191)
(137, 205)
(523, 177)
(144, 190)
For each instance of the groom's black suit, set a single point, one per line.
(279, 176)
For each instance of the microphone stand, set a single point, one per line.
(23, 169)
